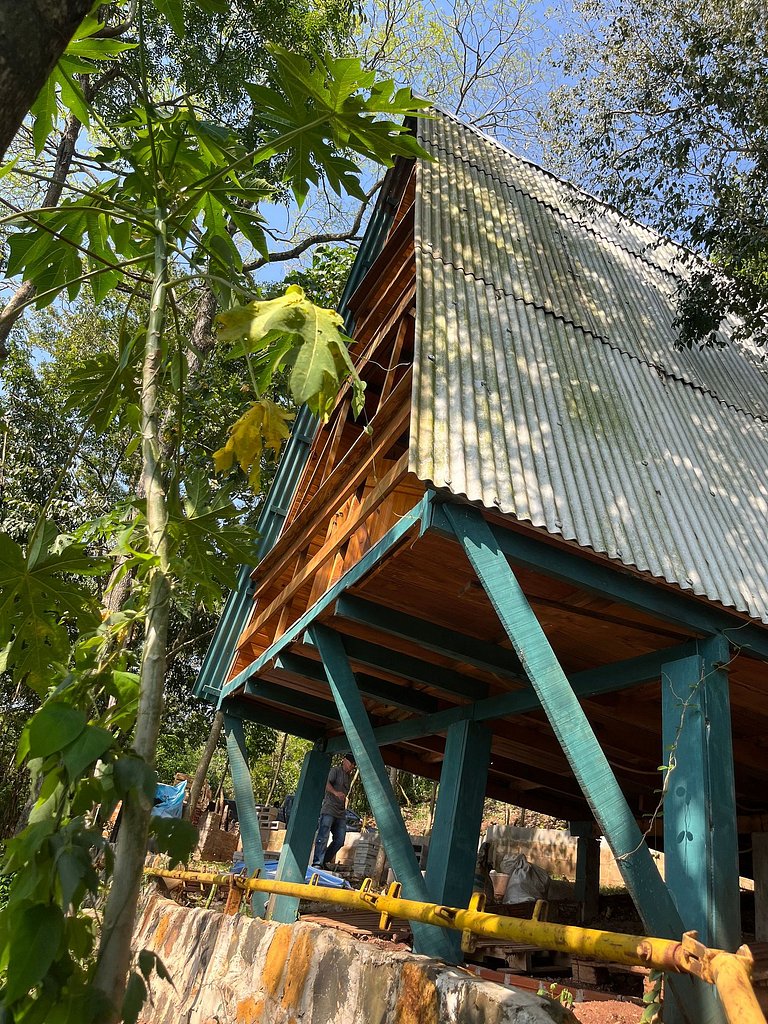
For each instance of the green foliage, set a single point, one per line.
(175, 837)
(83, 56)
(664, 113)
(652, 997)
(171, 199)
(38, 596)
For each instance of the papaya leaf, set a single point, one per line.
(39, 592)
(339, 106)
(54, 727)
(133, 773)
(37, 936)
(302, 335)
(263, 423)
(86, 750)
(175, 837)
(207, 538)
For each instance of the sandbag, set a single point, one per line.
(527, 882)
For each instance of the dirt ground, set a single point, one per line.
(607, 1012)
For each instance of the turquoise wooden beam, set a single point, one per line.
(430, 637)
(394, 694)
(590, 683)
(300, 834)
(701, 856)
(458, 817)
(414, 669)
(428, 939)
(285, 696)
(246, 805)
(568, 722)
(275, 718)
(419, 515)
(618, 585)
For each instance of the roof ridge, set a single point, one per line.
(569, 185)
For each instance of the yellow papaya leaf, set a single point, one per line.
(275, 424)
(263, 422)
(223, 459)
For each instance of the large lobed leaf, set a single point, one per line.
(332, 107)
(263, 423)
(207, 538)
(305, 338)
(39, 593)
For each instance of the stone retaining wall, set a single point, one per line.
(233, 970)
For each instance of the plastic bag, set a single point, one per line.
(527, 882)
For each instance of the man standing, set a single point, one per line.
(333, 814)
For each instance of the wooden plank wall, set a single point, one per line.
(356, 483)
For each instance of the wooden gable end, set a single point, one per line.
(355, 485)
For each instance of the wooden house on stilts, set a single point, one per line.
(537, 566)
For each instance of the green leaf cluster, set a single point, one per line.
(39, 599)
(86, 53)
(326, 109)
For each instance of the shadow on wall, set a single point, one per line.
(554, 850)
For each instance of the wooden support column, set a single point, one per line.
(568, 721)
(246, 805)
(428, 939)
(760, 873)
(300, 834)
(585, 756)
(587, 889)
(458, 817)
(701, 856)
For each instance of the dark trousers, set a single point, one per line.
(329, 826)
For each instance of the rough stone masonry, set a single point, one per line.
(234, 970)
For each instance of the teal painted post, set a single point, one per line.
(701, 856)
(300, 834)
(458, 817)
(428, 939)
(246, 805)
(568, 721)
(585, 756)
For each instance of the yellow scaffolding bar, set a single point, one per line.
(730, 973)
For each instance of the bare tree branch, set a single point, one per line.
(350, 235)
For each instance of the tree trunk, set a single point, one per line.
(432, 801)
(33, 35)
(276, 772)
(120, 911)
(205, 763)
(380, 866)
(64, 153)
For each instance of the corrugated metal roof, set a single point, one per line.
(547, 382)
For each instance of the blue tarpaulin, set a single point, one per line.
(169, 800)
(326, 878)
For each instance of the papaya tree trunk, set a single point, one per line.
(120, 911)
(205, 763)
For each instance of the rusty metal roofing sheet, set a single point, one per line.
(547, 382)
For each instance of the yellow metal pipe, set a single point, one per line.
(729, 972)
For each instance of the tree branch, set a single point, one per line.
(351, 235)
